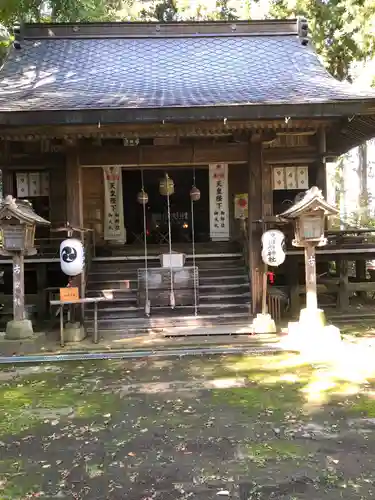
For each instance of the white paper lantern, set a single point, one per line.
(273, 247)
(72, 257)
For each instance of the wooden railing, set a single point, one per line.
(48, 247)
(89, 246)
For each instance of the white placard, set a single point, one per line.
(114, 228)
(291, 177)
(22, 185)
(34, 184)
(219, 203)
(302, 177)
(278, 178)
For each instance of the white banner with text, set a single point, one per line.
(114, 228)
(219, 202)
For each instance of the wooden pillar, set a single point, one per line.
(360, 274)
(343, 298)
(310, 271)
(74, 212)
(292, 271)
(73, 188)
(8, 182)
(267, 193)
(255, 191)
(41, 280)
(321, 173)
(267, 210)
(18, 287)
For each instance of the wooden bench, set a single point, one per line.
(89, 300)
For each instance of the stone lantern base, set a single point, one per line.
(315, 319)
(311, 333)
(19, 329)
(263, 323)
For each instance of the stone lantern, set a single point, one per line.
(17, 228)
(308, 215)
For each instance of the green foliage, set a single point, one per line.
(12, 11)
(225, 12)
(165, 11)
(341, 30)
(84, 10)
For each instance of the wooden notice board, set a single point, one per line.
(69, 294)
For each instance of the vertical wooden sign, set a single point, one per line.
(219, 202)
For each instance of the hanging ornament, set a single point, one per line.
(195, 194)
(142, 197)
(166, 186)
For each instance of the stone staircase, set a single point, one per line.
(224, 293)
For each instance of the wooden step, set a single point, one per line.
(159, 320)
(134, 312)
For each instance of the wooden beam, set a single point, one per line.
(163, 155)
(308, 154)
(197, 128)
(364, 286)
(255, 231)
(183, 155)
(34, 162)
(204, 152)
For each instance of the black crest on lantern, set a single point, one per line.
(68, 254)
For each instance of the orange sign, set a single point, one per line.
(69, 294)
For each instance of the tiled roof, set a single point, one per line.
(79, 73)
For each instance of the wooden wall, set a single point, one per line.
(57, 187)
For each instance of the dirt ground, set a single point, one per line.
(244, 427)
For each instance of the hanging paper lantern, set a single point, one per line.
(142, 197)
(166, 186)
(72, 257)
(195, 194)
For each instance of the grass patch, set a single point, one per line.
(28, 400)
(362, 405)
(275, 400)
(280, 450)
(358, 329)
(15, 483)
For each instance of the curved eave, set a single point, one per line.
(272, 111)
(352, 132)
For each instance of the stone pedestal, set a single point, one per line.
(311, 333)
(312, 319)
(29, 345)
(263, 323)
(19, 329)
(74, 332)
